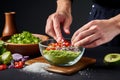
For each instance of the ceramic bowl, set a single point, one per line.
(24, 49)
(66, 57)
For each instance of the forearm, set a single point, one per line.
(64, 5)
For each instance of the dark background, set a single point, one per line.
(31, 15)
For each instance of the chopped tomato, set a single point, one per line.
(53, 46)
(66, 43)
(3, 66)
(50, 48)
(19, 64)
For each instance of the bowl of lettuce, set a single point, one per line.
(25, 43)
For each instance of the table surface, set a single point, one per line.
(97, 71)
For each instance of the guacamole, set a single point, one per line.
(60, 56)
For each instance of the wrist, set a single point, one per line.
(116, 22)
(64, 6)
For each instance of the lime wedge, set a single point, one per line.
(112, 59)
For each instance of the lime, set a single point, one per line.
(6, 57)
(112, 59)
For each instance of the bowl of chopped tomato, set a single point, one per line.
(60, 53)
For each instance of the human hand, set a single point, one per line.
(61, 19)
(95, 33)
(54, 23)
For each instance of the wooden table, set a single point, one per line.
(95, 72)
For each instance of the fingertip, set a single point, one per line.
(59, 39)
(55, 38)
(75, 44)
(72, 39)
(67, 31)
(72, 43)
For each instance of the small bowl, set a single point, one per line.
(60, 57)
(24, 49)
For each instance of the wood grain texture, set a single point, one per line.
(83, 63)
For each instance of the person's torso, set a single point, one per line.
(108, 3)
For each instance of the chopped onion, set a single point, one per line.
(17, 56)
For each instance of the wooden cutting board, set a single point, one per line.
(83, 63)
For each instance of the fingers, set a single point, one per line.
(93, 34)
(53, 25)
(49, 29)
(83, 35)
(56, 24)
(94, 44)
(53, 28)
(87, 40)
(66, 26)
(85, 27)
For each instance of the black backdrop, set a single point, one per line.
(31, 15)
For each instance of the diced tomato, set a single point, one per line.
(67, 44)
(53, 46)
(56, 44)
(3, 66)
(19, 64)
(50, 48)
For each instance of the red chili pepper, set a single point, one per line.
(3, 66)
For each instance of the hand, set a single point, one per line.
(95, 33)
(54, 22)
(61, 19)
